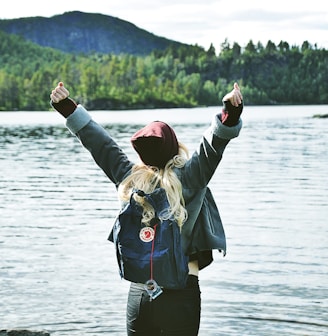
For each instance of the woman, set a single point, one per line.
(165, 163)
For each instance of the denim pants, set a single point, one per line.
(173, 313)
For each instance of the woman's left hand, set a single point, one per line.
(59, 93)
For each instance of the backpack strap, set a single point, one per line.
(158, 200)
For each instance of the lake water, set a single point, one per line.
(57, 269)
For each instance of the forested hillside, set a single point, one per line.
(176, 77)
(87, 33)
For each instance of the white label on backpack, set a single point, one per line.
(147, 234)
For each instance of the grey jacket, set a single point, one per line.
(203, 230)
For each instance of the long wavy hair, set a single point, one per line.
(147, 178)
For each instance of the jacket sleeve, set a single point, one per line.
(104, 150)
(204, 161)
(203, 231)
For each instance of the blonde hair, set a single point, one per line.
(147, 178)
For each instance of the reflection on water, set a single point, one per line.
(58, 271)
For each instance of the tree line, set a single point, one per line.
(188, 76)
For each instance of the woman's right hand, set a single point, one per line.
(235, 97)
(59, 93)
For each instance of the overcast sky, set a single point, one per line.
(201, 22)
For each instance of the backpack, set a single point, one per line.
(151, 255)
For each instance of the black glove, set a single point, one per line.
(231, 114)
(65, 107)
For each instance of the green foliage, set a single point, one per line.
(188, 76)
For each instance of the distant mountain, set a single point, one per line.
(78, 32)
